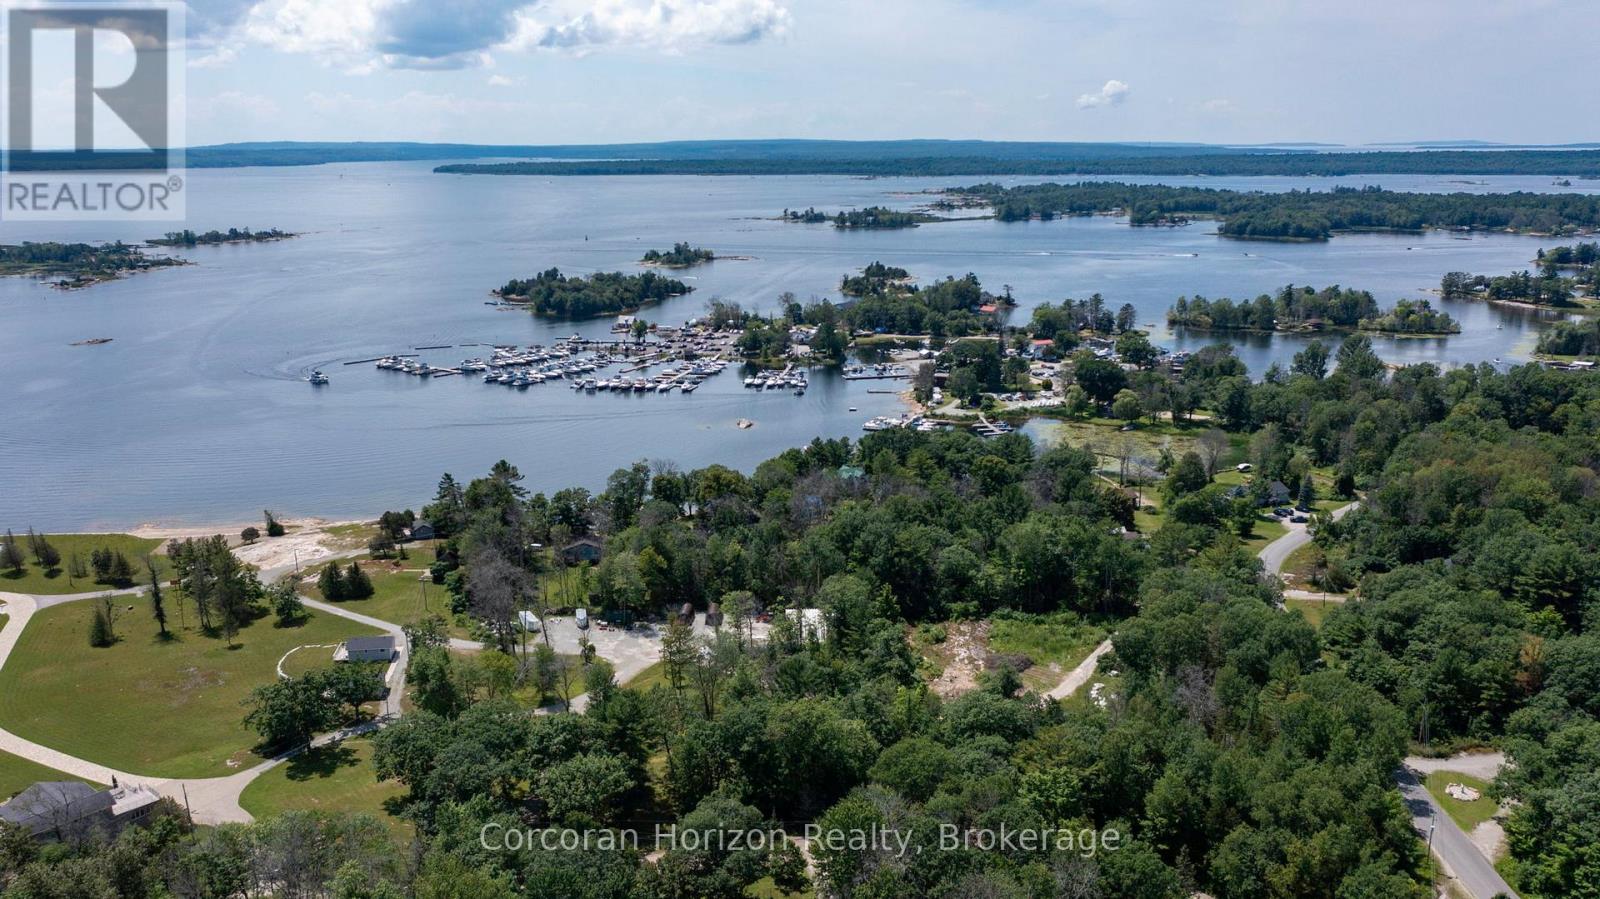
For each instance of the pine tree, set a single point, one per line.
(331, 583)
(157, 606)
(11, 555)
(121, 568)
(99, 629)
(356, 583)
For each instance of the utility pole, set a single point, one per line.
(1433, 822)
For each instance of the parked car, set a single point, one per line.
(1299, 519)
(1281, 513)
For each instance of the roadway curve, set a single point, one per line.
(212, 800)
(1459, 855)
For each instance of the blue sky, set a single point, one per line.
(579, 71)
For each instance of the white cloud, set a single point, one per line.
(661, 24)
(503, 81)
(1220, 105)
(361, 35)
(1112, 94)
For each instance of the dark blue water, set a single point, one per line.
(197, 411)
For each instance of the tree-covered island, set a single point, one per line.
(189, 238)
(872, 217)
(77, 265)
(680, 256)
(603, 293)
(1307, 309)
(1564, 273)
(1293, 215)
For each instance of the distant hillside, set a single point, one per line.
(894, 157)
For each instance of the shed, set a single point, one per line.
(365, 649)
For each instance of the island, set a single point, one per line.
(886, 300)
(870, 218)
(680, 256)
(77, 265)
(880, 159)
(1307, 309)
(1294, 215)
(188, 238)
(553, 294)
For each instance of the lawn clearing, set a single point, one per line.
(403, 595)
(1055, 643)
(1266, 530)
(56, 581)
(18, 774)
(334, 778)
(1467, 815)
(144, 705)
(655, 675)
(1315, 610)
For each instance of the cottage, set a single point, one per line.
(59, 810)
(1278, 494)
(365, 649)
(421, 530)
(583, 549)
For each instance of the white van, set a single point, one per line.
(582, 617)
(529, 621)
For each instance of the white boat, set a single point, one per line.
(318, 378)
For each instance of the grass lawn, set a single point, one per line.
(18, 774)
(337, 778)
(400, 596)
(1466, 814)
(766, 889)
(1266, 530)
(655, 675)
(1315, 610)
(147, 706)
(1061, 641)
(1302, 564)
(36, 580)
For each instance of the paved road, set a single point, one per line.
(1458, 854)
(213, 800)
(1276, 553)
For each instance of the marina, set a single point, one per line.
(211, 361)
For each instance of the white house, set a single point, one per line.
(365, 649)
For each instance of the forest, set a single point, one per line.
(189, 238)
(1293, 215)
(603, 293)
(680, 256)
(1305, 308)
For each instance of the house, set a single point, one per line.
(1038, 347)
(59, 810)
(1278, 494)
(421, 530)
(583, 549)
(365, 649)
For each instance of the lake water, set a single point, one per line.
(197, 412)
